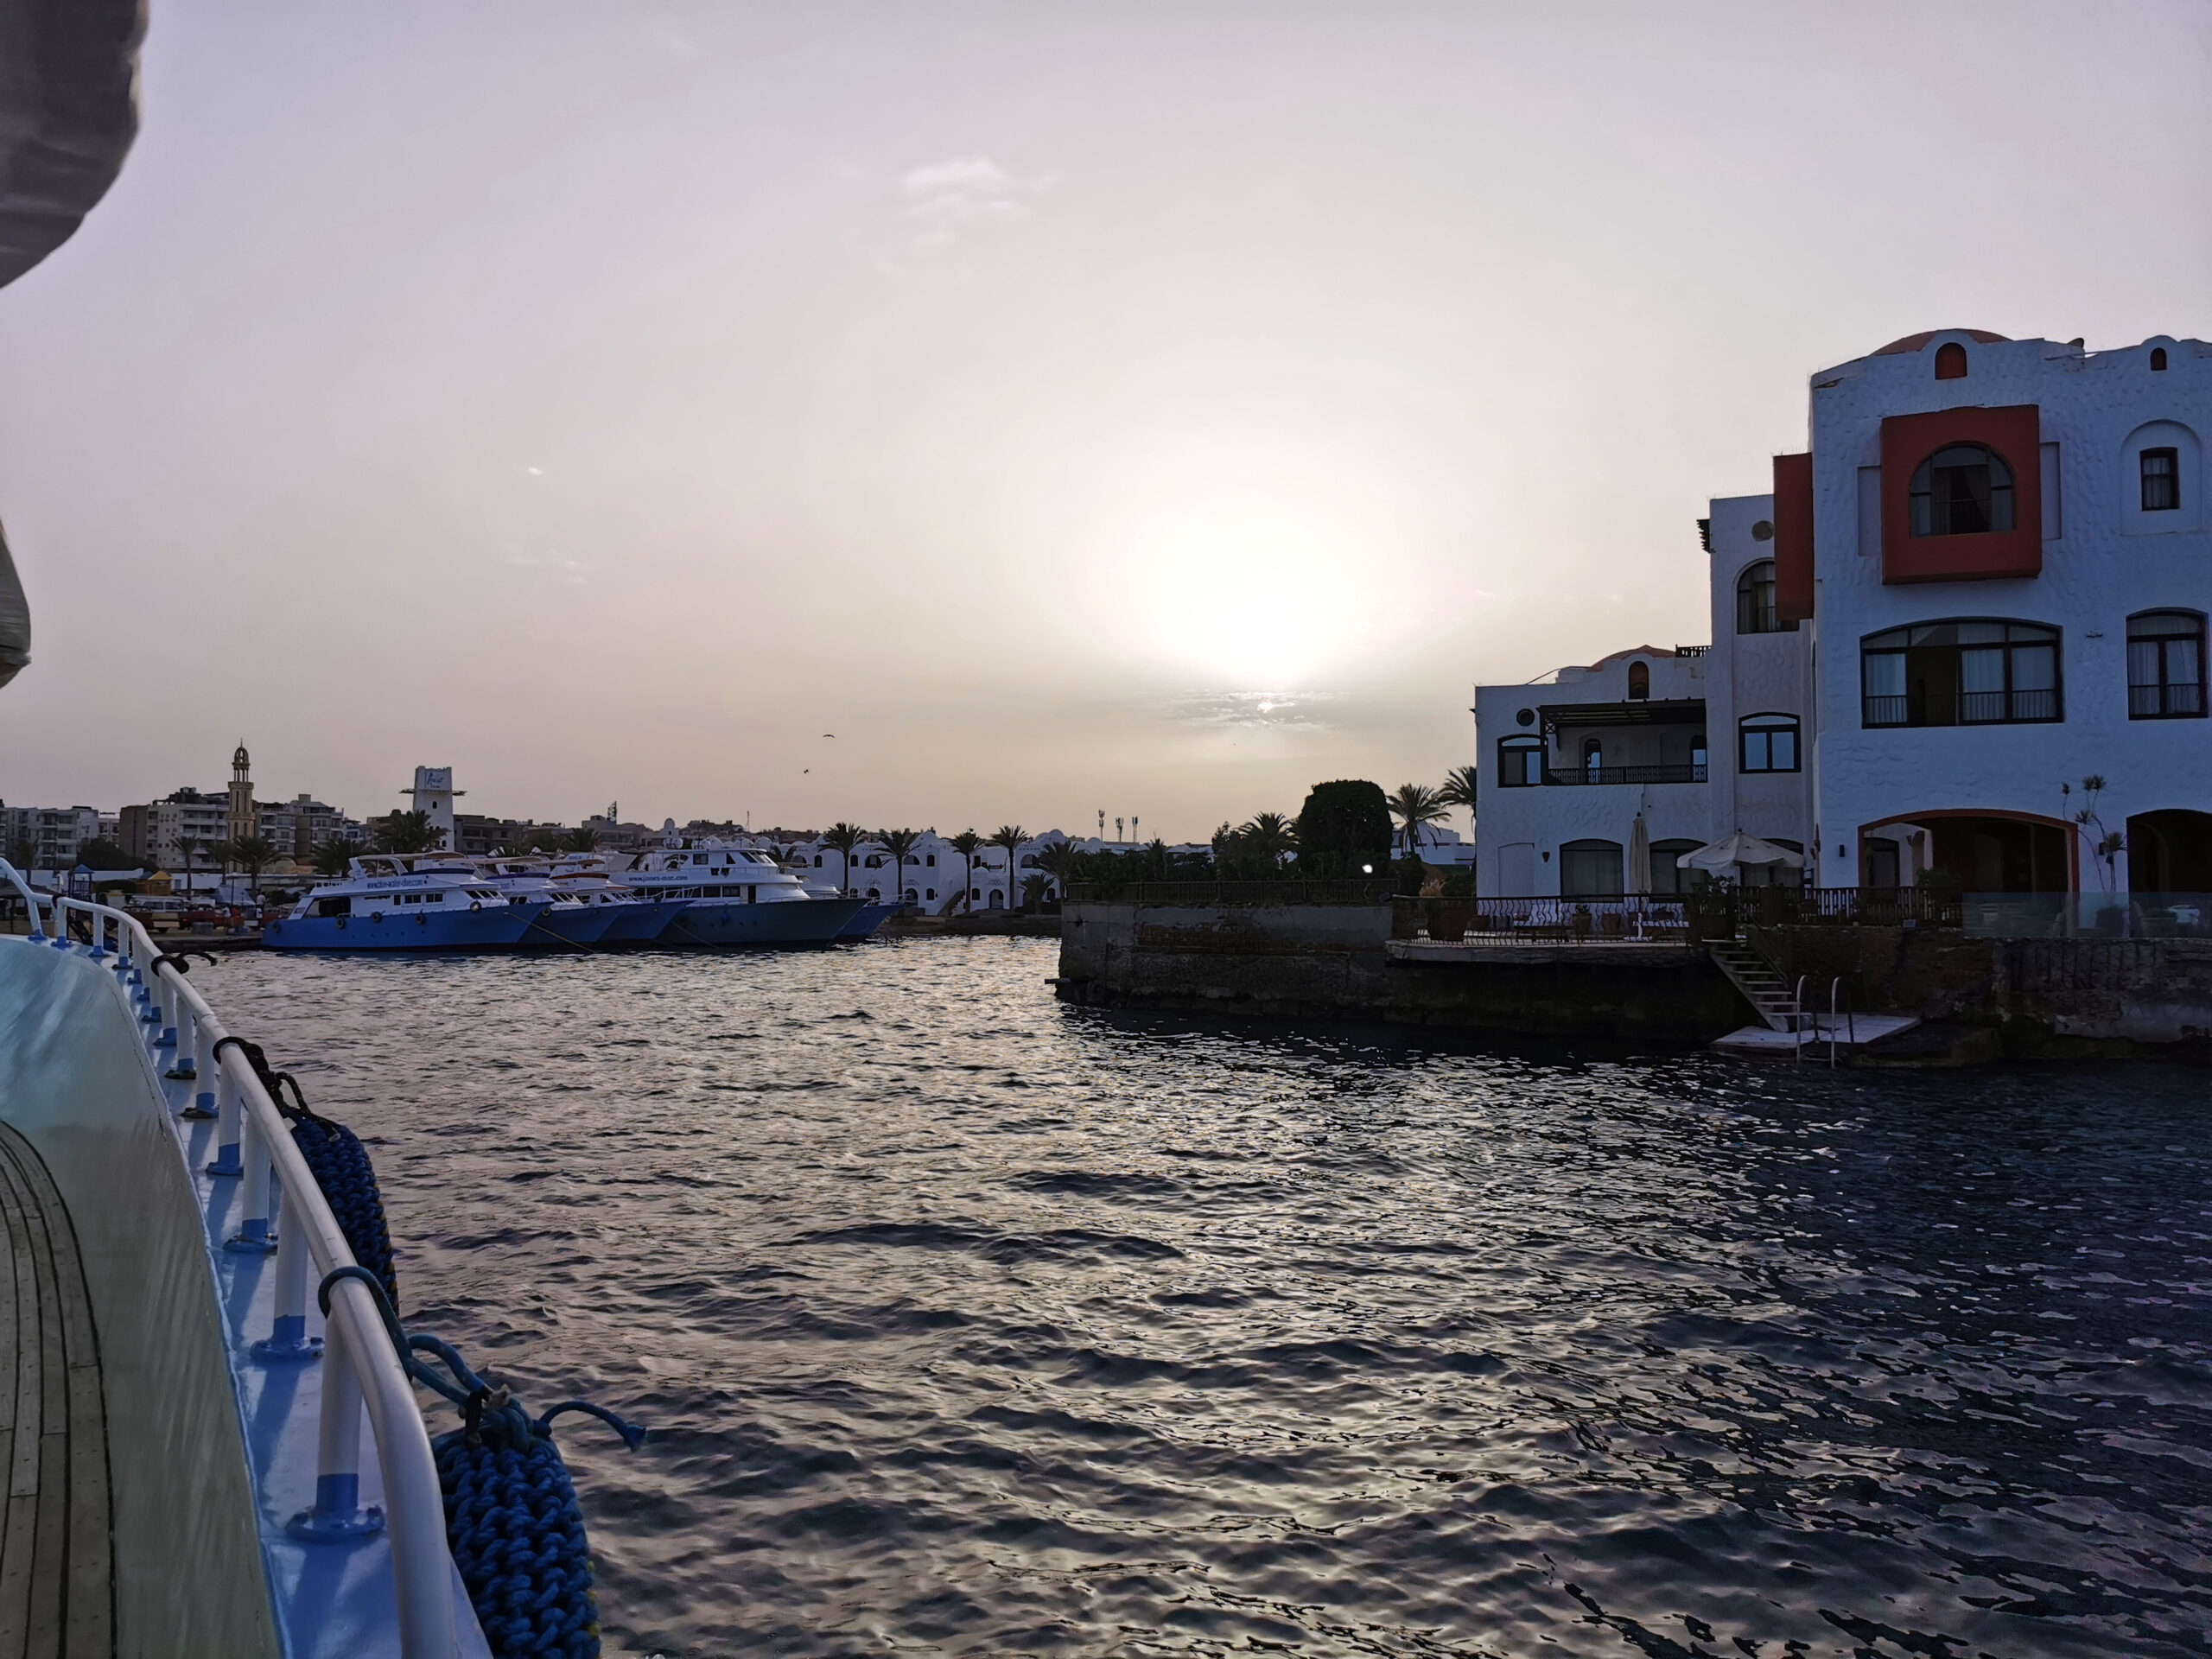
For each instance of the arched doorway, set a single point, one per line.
(2169, 852)
(1973, 852)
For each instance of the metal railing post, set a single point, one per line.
(337, 1513)
(227, 1112)
(168, 1001)
(204, 1066)
(184, 1065)
(287, 1339)
(99, 936)
(253, 1235)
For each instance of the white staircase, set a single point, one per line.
(1767, 992)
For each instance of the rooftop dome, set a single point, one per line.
(1919, 342)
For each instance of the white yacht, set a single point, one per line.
(737, 895)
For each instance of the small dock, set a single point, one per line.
(57, 1584)
(1854, 1032)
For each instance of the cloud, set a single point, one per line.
(944, 201)
(1280, 710)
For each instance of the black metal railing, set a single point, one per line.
(1672, 774)
(1656, 918)
(1359, 890)
(1959, 708)
(2164, 701)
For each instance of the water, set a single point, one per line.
(970, 1324)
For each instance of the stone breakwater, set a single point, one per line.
(2059, 999)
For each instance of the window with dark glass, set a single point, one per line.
(1755, 599)
(1590, 870)
(1593, 759)
(1667, 874)
(2165, 664)
(1639, 681)
(1767, 743)
(2161, 473)
(1971, 672)
(1521, 762)
(1965, 490)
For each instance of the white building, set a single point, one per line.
(1572, 761)
(1985, 584)
(49, 835)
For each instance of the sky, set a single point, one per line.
(963, 414)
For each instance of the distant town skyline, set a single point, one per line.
(1159, 410)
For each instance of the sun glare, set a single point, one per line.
(1250, 589)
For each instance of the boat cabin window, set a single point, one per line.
(698, 858)
(334, 906)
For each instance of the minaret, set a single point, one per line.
(239, 822)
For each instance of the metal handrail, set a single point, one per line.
(360, 1367)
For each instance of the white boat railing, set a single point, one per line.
(361, 1369)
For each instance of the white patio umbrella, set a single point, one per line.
(1719, 857)
(1637, 876)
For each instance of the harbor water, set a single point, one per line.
(968, 1323)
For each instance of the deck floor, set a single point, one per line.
(57, 1584)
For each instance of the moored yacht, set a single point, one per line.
(737, 895)
(391, 908)
(637, 918)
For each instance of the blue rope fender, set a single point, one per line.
(511, 1521)
(340, 1165)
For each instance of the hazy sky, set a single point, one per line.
(609, 400)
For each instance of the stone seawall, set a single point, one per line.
(1286, 961)
(1339, 962)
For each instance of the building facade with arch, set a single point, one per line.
(1972, 612)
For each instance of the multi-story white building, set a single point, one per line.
(47, 836)
(1971, 614)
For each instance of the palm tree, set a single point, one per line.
(331, 856)
(1010, 836)
(1271, 836)
(187, 845)
(841, 838)
(1414, 805)
(1060, 861)
(965, 844)
(899, 843)
(405, 832)
(252, 854)
(581, 841)
(1460, 790)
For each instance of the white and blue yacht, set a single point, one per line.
(737, 895)
(380, 904)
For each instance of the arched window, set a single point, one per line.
(1755, 599)
(1965, 490)
(1667, 874)
(1975, 671)
(2165, 665)
(1593, 760)
(1698, 758)
(1767, 743)
(1951, 361)
(1521, 761)
(1639, 681)
(2158, 359)
(1590, 870)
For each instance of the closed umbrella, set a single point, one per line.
(1638, 873)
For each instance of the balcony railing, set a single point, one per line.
(1961, 708)
(1675, 774)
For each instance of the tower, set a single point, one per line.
(433, 793)
(239, 821)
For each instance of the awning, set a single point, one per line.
(1719, 857)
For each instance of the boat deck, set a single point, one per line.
(57, 1586)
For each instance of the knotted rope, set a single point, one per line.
(340, 1165)
(511, 1521)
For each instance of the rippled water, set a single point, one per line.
(968, 1323)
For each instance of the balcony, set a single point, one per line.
(1670, 774)
(1961, 708)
